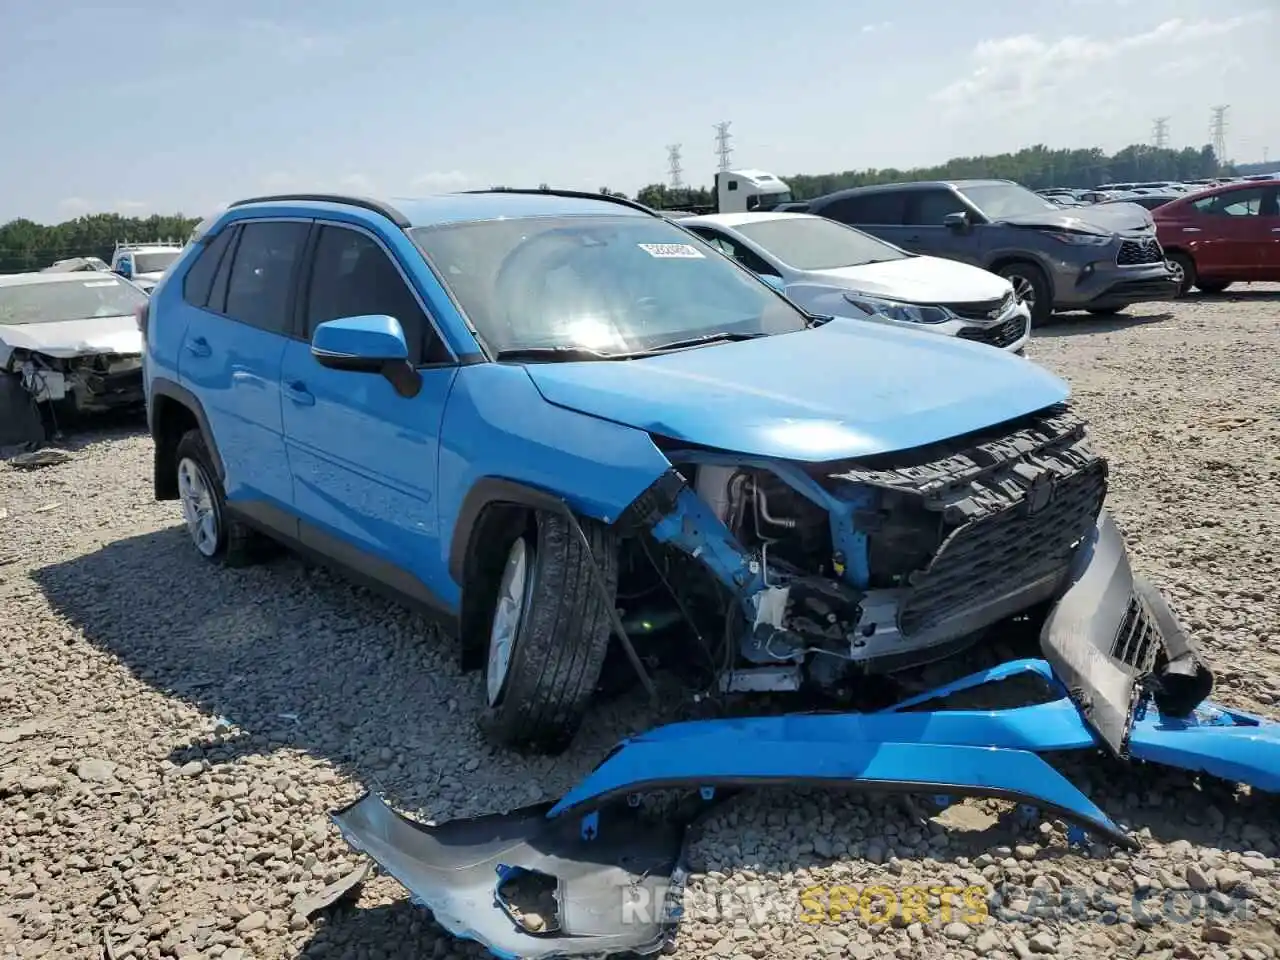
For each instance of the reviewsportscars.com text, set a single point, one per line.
(760, 904)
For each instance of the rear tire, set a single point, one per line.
(1031, 286)
(1106, 311)
(556, 629)
(217, 537)
(1212, 286)
(1184, 271)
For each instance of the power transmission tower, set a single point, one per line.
(723, 149)
(1160, 133)
(676, 171)
(1218, 129)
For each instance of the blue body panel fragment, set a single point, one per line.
(834, 749)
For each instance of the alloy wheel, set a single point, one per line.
(199, 507)
(513, 599)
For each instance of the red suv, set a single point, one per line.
(1222, 235)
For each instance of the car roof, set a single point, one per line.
(908, 185)
(732, 220)
(80, 276)
(447, 208)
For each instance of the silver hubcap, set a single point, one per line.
(1179, 274)
(1023, 290)
(513, 597)
(199, 509)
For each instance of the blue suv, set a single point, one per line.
(573, 431)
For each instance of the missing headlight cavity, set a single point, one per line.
(530, 898)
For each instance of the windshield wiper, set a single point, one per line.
(722, 337)
(554, 354)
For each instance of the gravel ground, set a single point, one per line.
(172, 736)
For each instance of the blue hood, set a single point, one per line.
(845, 389)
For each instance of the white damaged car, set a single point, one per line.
(66, 339)
(834, 270)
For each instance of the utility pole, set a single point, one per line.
(1160, 133)
(674, 169)
(1218, 130)
(723, 149)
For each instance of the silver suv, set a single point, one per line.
(1097, 258)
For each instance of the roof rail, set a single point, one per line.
(578, 194)
(366, 203)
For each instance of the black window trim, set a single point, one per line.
(304, 290)
(234, 248)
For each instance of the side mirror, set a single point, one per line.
(125, 269)
(774, 281)
(367, 344)
(956, 221)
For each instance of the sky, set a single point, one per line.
(152, 107)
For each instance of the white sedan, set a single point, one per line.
(834, 270)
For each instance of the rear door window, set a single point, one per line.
(263, 273)
(883, 208)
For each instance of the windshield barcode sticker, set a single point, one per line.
(672, 251)
(100, 283)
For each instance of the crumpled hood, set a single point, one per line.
(845, 389)
(916, 280)
(1104, 217)
(74, 338)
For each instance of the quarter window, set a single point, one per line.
(351, 276)
(262, 275)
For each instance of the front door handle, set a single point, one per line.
(1275, 229)
(199, 347)
(1190, 229)
(297, 391)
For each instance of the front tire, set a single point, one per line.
(1031, 286)
(548, 633)
(216, 536)
(1184, 272)
(1212, 286)
(1106, 311)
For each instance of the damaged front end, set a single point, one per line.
(815, 576)
(88, 383)
(77, 384)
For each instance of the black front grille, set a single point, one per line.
(1001, 335)
(982, 309)
(986, 559)
(1135, 253)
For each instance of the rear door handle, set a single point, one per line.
(199, 347)
(1275, 229)
(1190, 229)
(297, 391)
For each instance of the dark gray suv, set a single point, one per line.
(1096, 258)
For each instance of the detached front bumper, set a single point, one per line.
(1112, 638)
(1121, 675)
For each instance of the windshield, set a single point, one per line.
(1000, 200)
(613, 284)
(94, 296)
(816, 243)
(154, 262)
(767, 201)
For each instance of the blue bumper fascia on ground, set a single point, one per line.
(618, 878)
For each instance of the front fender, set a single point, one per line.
(500, 440)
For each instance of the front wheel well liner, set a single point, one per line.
(1010, 260)
(173, 411)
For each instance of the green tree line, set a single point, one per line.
(26, 245)
(1035, 167)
